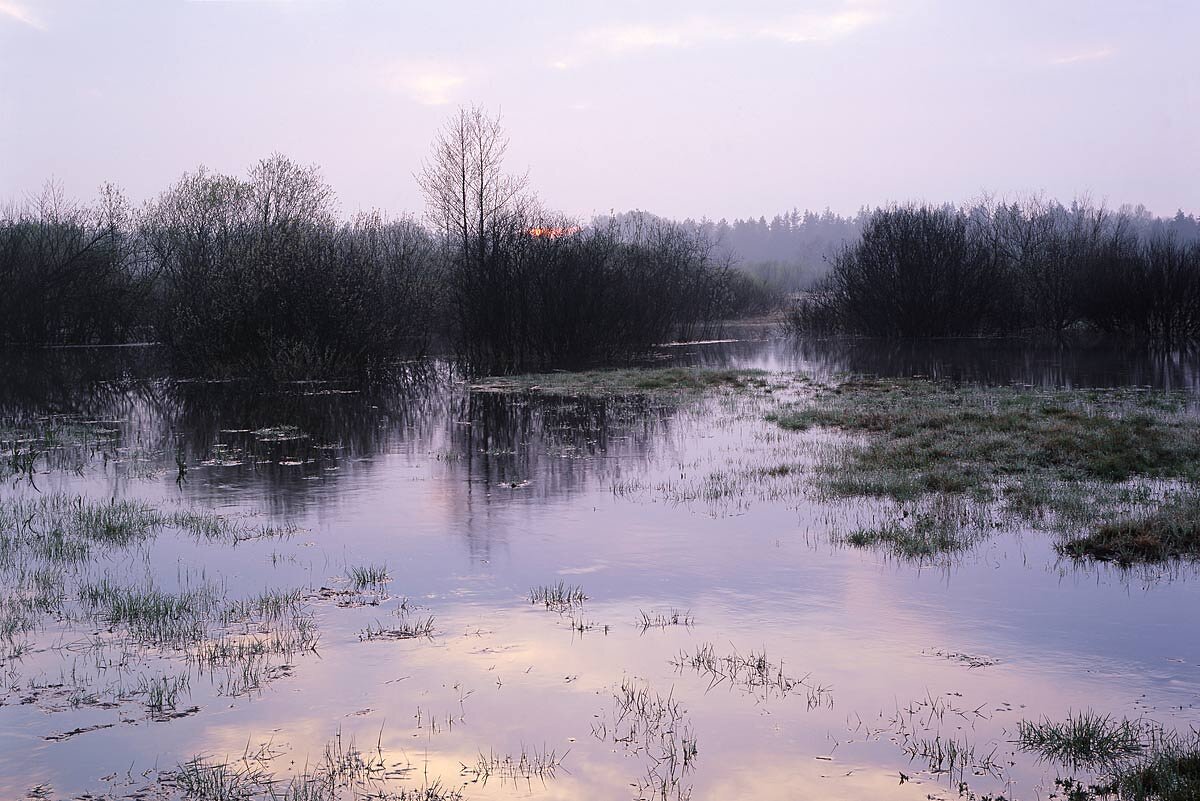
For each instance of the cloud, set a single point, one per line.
(14, 10)
(821, 27)
(697, 31)
(1098, 54)
(424, 83)
(688, 33)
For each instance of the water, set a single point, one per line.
(470, 499)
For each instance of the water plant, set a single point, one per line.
(558, 597)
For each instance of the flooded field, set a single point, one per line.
(648, 585)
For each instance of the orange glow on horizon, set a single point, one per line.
(549, 232)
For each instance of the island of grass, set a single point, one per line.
(1122, 466)
(645, 381)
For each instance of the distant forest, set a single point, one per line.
(793, 250)
(789, 252)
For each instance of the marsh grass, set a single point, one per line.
(1138, 760)
(754, 673)
(656, 727)
(530, 764)
(162, 694)
(67, 528)
(923, 532)
(1069, 460)
(661, 381)
(924, 537)
(49, 547)
(927, 436)
(369, 577)
(342, 772)
(955, 757)
(1085, 739)
(1169, 771)
(405, 630)
(1170, 531)
(661, 620)
(560, 597)
(53, 443)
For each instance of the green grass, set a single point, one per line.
(1085, 740)
(67, 528)
(926, 436)
(1170, 772)
(1138, 760)
(632, 381)
(1171, 531)
(922, 536)
(1070, 460)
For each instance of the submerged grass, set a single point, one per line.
(754, 673)
(529, 764)
(363, 577)
(559, 597)
(661, 620)
(66, 528)
(405, 630)
(922, 534)
(656, 727)
(343, 772)
(75, 565)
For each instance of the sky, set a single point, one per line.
(686, 109)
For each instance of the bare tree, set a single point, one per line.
(471, 201)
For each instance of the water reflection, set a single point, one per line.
(470, 498)
(989, 361)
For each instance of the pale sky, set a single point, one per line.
(681, 108)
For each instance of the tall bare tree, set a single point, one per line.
(472, 202)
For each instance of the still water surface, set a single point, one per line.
(470, 499)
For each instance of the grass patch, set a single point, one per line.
(1067, 459)
(559, 597)
(1171, 531)
(753, 673)
(1139, 761)
(1084, 740)
(919, 536)
(343, 771)
(529, 764)
(932, 436)
(661, 620)
(405, 630)
(656, 728)
(364, 577)
(632, 381)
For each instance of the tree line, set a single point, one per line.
(258, 275)
(1006, 268)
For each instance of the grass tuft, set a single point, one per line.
(1172, 531)
(559, 597)
(1084, 740)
